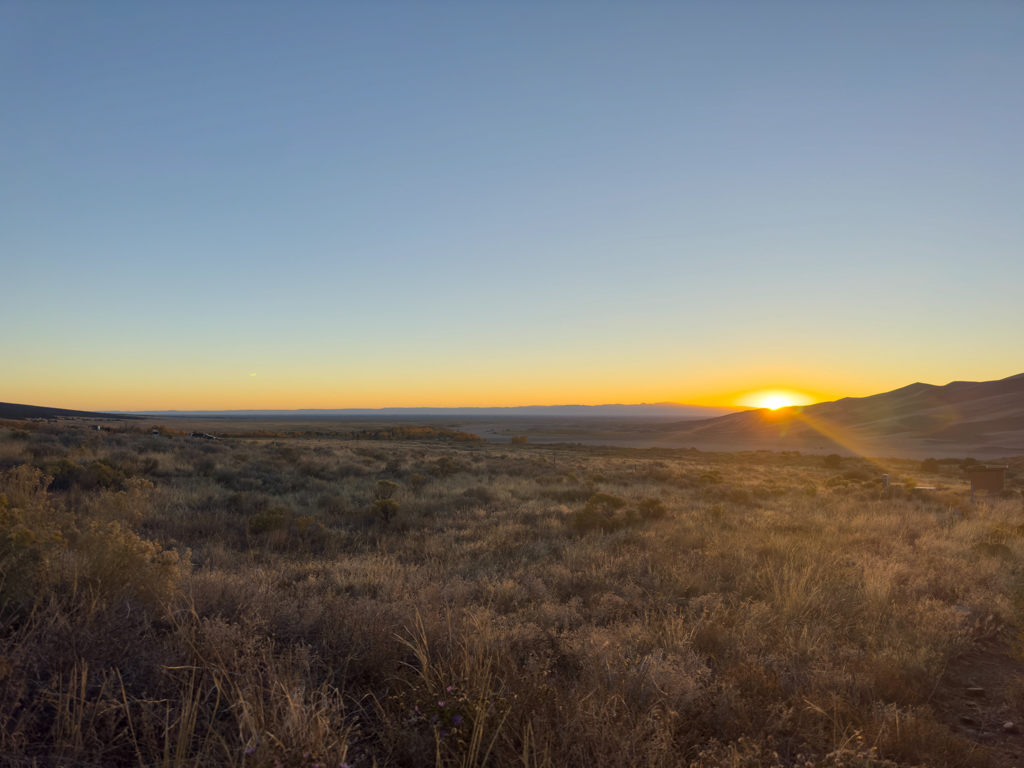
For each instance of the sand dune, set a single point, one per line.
(963, 416)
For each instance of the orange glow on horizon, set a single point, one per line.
(775, 398)
(275, 388)
(263, 393)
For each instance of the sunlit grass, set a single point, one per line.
(615, 607)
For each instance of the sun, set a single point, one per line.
(773, 399)
(772, 402)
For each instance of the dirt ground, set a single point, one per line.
(982, 693)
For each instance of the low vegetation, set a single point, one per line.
(167, 600)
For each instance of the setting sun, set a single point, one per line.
(774, 398)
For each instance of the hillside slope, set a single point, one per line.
(18, 411)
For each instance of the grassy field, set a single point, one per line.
(171, 601)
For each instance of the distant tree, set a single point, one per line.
(833, 460)
(930, 465)
(519, 438)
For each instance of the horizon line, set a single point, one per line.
(662, 404)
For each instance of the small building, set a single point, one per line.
(986, 478)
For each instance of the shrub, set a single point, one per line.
(417, 483)
(32, 535)
(930, 465)
(520, 439)
(41, 546)
(568, 495)
(712, 477)
(332, 503)
(112, 560)
(739, 495)
(833, 460)
(273, 519)
(385, 490)
(651, 509)
(478, 494)
(605, 503)
(585, 519)
(446, 466)
(386, 509)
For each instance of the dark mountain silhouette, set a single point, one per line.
(986, 416)
(16, 411)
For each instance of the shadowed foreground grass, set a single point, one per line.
(170, 601)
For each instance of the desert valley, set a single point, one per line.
(320, 592)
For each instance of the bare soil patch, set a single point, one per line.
(977, 697)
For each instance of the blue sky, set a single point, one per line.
(400, 204)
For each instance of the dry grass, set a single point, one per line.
(168, 601)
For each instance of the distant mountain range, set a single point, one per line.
(963, 416)
(651, 410)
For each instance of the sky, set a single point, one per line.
(228, 205)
